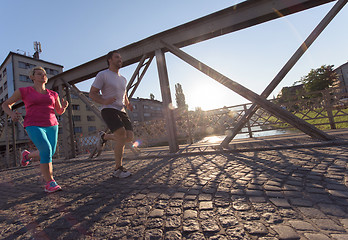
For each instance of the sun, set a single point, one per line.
(209, 95)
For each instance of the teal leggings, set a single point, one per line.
(45, 139)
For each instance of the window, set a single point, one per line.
(146, 107)
(24, 78)
(22, 65)
(25, 65)
(73, 96)
(92, 128)
(90, 118)
(77, 118)
(51, 71)
(77, 129)
(1, 90)
(147, 114)
(75, 107)
(88, 108)
(4, 73)
(5, 85)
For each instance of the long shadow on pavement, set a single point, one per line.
(95, 205)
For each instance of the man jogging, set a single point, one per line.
(114, 102)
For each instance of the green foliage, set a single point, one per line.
(319, 79)
(290, 94)
(321, 120)
(179, 96)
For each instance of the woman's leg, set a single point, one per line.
(47, 171)
(35, 154)
(39, 137)
(52, 136)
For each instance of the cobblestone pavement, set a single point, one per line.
(296, 193)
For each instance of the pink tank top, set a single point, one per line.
(39, 107)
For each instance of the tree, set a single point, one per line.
(198, 109)
(319, 79)
(290, 94)
(179, 96)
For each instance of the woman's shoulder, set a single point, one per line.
(25, 89)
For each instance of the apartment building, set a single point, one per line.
(145, 109)
(342, 72)
(85, 122)
(14, 74)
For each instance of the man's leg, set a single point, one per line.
(130, 136)
(120, 137)
(129, 142)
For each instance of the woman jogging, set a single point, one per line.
(40, 122)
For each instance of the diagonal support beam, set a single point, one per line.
(250, 95)
(287, 67)
(243, 15)
(141, 65)
(83, 98)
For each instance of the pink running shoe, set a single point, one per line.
(25, 160)
(52, 186)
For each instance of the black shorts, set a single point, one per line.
(116, 119)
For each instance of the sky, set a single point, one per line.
(72, 33)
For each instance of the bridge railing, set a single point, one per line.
(326, 109)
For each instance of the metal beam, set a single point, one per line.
(69, 143)
(167, 101)
(138, 75)
(84, 99)
(250, 95)
(287, 67)
(237, 17)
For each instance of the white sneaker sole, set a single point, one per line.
(122, 176)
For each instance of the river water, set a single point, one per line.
(220, 138)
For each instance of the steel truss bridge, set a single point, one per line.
(243, 15)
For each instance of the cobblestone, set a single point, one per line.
(298, 193)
